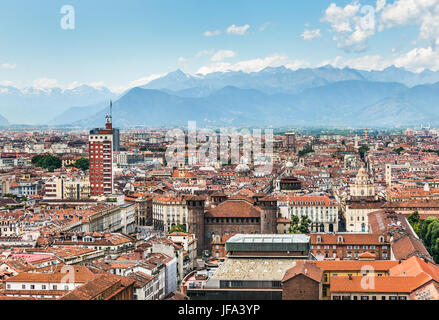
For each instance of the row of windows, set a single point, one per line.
(369, 298)
(232, 220)
(43, 287)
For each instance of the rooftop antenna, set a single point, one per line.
(111, 108)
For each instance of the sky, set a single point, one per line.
(122, 44)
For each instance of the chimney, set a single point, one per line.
(306, 271)
(350, 277)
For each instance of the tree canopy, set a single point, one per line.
(178, 228)
(299, 225)
(48, 162)
(82, 164)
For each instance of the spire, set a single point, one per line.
(109, 118)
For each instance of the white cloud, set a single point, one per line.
(223, 54)
(419, 59)
(45, 83)
(254, 65)
(204, 53)
(380, 5)
(233, 29)
(424, 13)
(353, 25)
(8, 66)
(375, 62)
(212, 33)
(181, 59)
(297, 64)
(311, 34)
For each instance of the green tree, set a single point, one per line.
(48, 162)
(299, 225)
(178, 228)
(432, 234)
(82, 164)
(415, 221)
(305, 151)
(362, 151)
(425, 225)
(434, 251)
(399, 150)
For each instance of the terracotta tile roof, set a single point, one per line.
(355, 265)
(407, 246)
(415, 266)
(381, 284)
(97, 287)
(305, 268)
(367, 255)
(235, 208)
(348, 238)
(81, 275)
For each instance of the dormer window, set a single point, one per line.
(340, 239)
(319, 239)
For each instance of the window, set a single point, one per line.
(393, 298)
(364, 297)
(32, 286)
(402, 298)
(237, 284)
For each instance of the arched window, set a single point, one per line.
(340, 239)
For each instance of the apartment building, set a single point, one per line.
(321, 210)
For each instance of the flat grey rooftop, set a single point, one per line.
(268, 242)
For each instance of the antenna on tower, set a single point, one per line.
(111, 108)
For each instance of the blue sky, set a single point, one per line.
(124, 43)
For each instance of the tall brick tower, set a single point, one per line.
(268, 207)
(100, 144)
(195, 206)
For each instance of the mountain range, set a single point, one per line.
(271, 97)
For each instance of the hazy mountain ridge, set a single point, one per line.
(38, 106)
(346, 102)
(272, 96)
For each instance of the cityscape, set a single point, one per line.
(263, 179)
